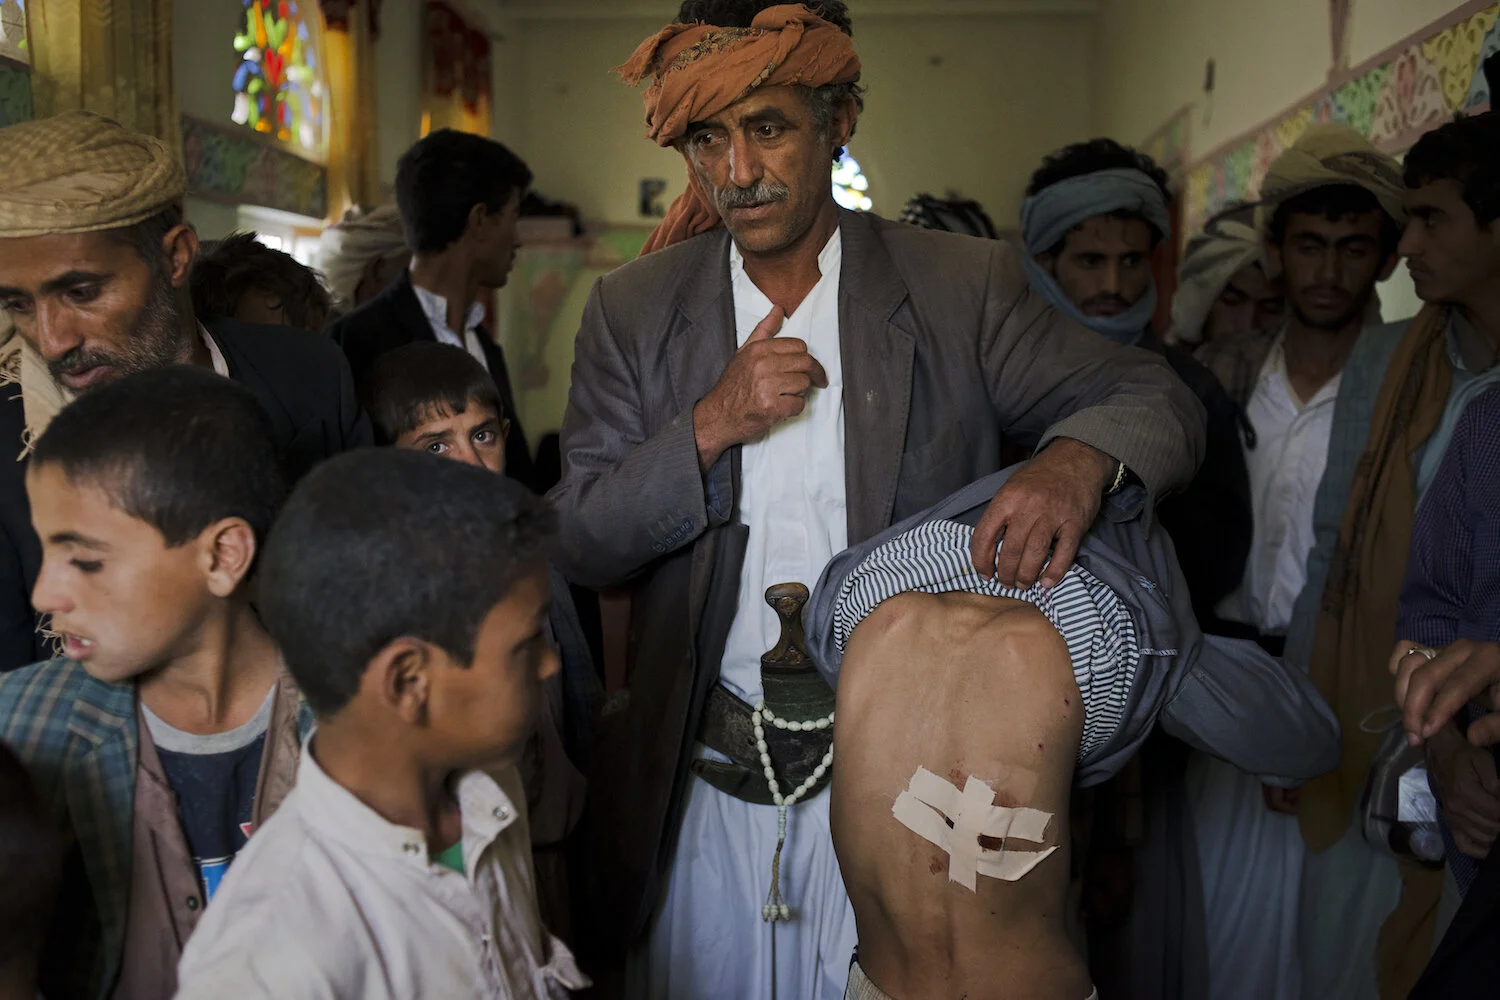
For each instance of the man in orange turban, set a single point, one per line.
(776, 380)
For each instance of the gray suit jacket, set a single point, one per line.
(944, 349)
(1226, 697)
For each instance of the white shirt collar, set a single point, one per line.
(435, 308)
(1274, 369)
(829, 257)
(215, 355)
(336, 812)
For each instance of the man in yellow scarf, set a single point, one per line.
(1403, 389)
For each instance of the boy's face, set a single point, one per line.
(475, 436)
(123, 601)
(481, 715)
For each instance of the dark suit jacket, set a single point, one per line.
(301, 380)
(944, 347)
(393, 319)
(1211, 521)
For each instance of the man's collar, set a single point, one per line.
(435, 307)
(215, 356)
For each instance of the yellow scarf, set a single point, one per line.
(1357, 617)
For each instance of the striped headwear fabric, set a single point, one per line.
(933, 558)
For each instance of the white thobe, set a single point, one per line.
(435, 308)
(1251, 858)
(708, 939)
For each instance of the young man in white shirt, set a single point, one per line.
(1332, 236)
(411, 595)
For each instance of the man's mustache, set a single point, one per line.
(1106, 300)
(762, 193)
(78, 360)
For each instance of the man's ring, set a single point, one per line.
(1426, 651)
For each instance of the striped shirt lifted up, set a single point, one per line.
(933, 558)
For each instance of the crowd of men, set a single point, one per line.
(300, 676)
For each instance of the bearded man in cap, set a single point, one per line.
(774, 380)
(95, 258)
(1330, 216)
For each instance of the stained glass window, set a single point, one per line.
(278, 87)
(850, 188)
(13, 31)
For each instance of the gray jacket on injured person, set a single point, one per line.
(1226, 697)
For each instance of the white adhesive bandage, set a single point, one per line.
(927, 799)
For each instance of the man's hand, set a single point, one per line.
(766, 382)
(1282, 800)
(1467, 788)
(1052, 498)
(1430, 690)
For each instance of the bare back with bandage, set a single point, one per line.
(958, 726)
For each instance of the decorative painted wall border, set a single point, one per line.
(15, 93)
(1393, 98)
(1168, 145)
(233, 166)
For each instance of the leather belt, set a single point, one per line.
(727, 727)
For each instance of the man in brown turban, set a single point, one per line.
(94, 264)
(778, 379)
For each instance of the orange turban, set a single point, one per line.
(701, 70)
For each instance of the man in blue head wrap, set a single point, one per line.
(1093, 215)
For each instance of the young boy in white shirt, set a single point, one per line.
(409, 596)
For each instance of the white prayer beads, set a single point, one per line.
(774, 909)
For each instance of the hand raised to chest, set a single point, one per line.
(765, 383)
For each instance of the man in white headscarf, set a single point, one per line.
(1226, 309)
(1094, 213)
(362, 253)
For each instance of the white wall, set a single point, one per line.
(577, 126)
(398, 81)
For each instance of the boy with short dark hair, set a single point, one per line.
(436, 398)
(29, 856)
(241, 278)
(168, 730)
(409, 596)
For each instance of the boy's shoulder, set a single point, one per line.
(282, 889)
(42, 700)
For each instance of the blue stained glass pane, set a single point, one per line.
(244, 73)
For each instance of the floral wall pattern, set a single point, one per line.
(1393, 99)
(228, 165)
(13, 31)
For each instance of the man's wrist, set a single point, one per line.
(1106, 467)
(706, 437)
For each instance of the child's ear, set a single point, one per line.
(402, 672)
(228, 552)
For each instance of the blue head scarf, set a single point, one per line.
(1047, 216)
